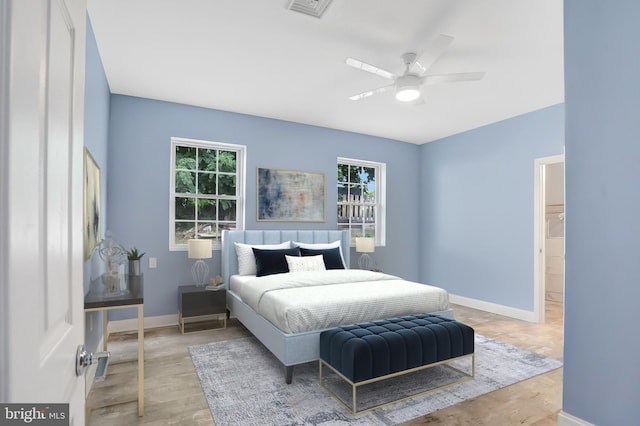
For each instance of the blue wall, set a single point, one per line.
(138, 210)
(602, 65)
(96, 126)
(464, 217)
(477, 210)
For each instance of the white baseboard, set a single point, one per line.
(494, 308)
(149, 322)
(565, 419)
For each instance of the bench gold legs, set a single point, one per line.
(354, 386)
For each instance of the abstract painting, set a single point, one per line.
(91, 204)
(290, 195)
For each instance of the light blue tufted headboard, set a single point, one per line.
(228, 254)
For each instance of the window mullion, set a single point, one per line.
(217, 218)
(197, 192)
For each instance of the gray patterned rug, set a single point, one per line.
(244, 385)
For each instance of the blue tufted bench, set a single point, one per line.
(368, 352)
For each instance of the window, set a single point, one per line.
(361, 198)
(207, 190)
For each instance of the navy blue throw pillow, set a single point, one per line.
(270, 262)
(331, 256)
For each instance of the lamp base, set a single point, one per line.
(200, 272)
(365, 262)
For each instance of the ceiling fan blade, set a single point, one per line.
(452, 78)
(371, 92)
(437, 48)
(356, 63)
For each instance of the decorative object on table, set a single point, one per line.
(290, 195)
(134, 261)
(215, 283)
(91, 204)
(199, 249)
(113, 255)
(365, 245)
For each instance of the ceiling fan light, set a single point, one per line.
(408, 93)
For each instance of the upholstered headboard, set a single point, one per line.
(228, 254)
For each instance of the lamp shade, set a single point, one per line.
(199, 249)
(365, 245)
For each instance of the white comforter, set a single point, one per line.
(302, 301)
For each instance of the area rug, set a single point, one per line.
(244, 385)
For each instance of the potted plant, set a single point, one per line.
(134, 261)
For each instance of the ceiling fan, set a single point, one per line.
(407, 85)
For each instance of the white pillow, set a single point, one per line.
(315, 246)
(305, 263)
(321, 246)
(246, 259)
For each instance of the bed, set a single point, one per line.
(297, 344)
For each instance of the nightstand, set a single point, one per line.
(198, 307)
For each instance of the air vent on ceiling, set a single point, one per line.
(309, 7)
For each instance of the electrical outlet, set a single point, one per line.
(153, 263)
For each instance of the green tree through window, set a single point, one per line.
(206, 189)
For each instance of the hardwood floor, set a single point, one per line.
(173, 394)
(536, 401)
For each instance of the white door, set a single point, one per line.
(42, 61)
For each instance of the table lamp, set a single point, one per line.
(199, 249)
(365, 245)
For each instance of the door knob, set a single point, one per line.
(84, 359)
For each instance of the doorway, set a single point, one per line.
(554, 233)
(549, 236)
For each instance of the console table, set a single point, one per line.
(132, 297)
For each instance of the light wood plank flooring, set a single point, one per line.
(173, 395)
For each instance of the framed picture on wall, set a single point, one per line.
(290, 196)
(91, 204)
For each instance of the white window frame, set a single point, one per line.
(380, 195)
(241, 154)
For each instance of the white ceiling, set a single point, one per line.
(256, 57)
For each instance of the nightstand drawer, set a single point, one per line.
(196, 302)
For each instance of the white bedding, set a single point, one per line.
(303, 301)
(236, 282)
